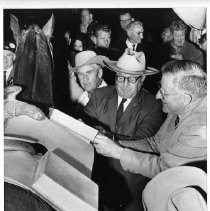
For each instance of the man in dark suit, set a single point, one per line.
(128, 112)
(125, 18)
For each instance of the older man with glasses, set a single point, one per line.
(124, 111)
(182, 137)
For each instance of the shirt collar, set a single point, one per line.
(130, 45)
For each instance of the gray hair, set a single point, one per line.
(178, 26)
(132, 24)
(189, 76)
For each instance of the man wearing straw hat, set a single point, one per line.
(126, 111)
(89, 72)
(182, 137)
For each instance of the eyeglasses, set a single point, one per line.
(132, 80)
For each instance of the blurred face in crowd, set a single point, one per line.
(78, 46)
(173, 98)
(166, 35)
(90, 76)
(67, 37)
(9, 58)
(179, 38)
(86, 17)
(125, 20)
(135, 34)
(102, 39)
(126, 89)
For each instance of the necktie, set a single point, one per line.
(177, 121)
(5, 79)
(133, 47)
(120, 111)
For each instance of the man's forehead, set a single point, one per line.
(85, 12)
(125, 16)
(138, 27)
(85, 68)
(127, 75)
(103, 34)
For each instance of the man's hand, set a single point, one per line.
(74, 87)
(177, 57)
(107, 147)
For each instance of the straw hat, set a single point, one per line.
(88, 57)
(131, 62)
(171, 188)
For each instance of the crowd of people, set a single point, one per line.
(147, 101)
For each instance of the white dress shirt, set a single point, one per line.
(130, 45)
(125, 105)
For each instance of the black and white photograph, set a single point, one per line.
(104, 106)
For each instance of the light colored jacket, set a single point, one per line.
(173, 146)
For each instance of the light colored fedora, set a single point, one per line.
(131, 62)
(172, 188)
(87, 58)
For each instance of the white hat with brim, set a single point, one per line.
(87, 58)
(131, 62)
(172, 183)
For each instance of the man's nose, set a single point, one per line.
(126, 83)
(85, 78)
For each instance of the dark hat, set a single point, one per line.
(9, 46)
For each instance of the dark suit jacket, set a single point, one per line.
(142, 118)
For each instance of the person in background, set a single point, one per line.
(182, 49)
(125, 18)
(166, 35)
(127, 111)
(86, 19)
(85, 77)
(101, 38)
(8, 61)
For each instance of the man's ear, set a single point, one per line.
(93, 38)
(100, 73)
(187, 99)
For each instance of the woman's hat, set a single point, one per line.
(131, 62)
(88, 57)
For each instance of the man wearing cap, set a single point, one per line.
(125, 111)
(9, 58)
(182, 137)
(89, 72)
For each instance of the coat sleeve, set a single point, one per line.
(190, 145)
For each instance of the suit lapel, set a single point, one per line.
(112, 110)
